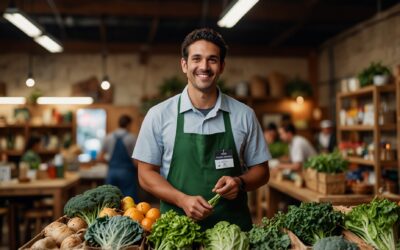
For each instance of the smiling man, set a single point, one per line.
(202, 142)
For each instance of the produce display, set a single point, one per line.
(102, 218)
(226, 236)
(327, 163)
(375, 223)
(173, 231)
(269, 234)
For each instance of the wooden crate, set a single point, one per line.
(331, 183)
(296, 243)
(355, 239)
(311, 178)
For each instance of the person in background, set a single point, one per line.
(276, 146)
(31, 155)
(300, 149)
(326, 139)
(202, 142)
(116, 150)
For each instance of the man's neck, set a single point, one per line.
(202, 100)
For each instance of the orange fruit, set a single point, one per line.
(147, 223)
(143, 207)
(153, 214)
(127, 202)
(134, 214)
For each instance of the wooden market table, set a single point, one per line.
(279, 189)
(58, 189)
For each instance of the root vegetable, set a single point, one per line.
(71, 242)
(76, 224)
(58, 231)
(45, 243)
(110, 212)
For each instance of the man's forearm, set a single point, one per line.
(256, 176)
(151, 181)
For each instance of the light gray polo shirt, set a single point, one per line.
(155, 143)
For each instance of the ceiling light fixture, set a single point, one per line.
(22, 21)
(236, 10)
(49, 43)
(65, 100)
(12, 100)
(30, 82)
(105, 84)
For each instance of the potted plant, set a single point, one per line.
(298, 87)
(330, 170)
(375, 73)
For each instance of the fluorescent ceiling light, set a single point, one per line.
(65, 100)
(23, 22)
(235, 11)
(12, 100)
(49, 43)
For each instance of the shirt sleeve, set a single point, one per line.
(256, 150)
(148, 146)
(296, 152)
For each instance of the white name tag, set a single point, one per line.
(224, 159)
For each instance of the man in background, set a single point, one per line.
(117, 149)
(300, 149)
(326, 139)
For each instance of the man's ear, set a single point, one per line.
(184, 65)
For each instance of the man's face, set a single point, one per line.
(285, 136)
(203, 65)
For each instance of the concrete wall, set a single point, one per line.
(377, 39)
(54, 74)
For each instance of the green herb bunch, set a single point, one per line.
(327, 163)
(313, 221)
(269, 235)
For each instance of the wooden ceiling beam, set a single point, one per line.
(96, 47)
(263, 11)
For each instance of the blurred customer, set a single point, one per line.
(299, 148)
(117, 150)
(326, 139)
(277, 148)
(31, 155)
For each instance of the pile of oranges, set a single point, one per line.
(142, 212)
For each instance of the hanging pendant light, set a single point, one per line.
(30, 81)
(105, 84)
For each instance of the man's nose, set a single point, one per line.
(204, 64)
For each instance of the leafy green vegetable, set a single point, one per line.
(366, 76)
(327, 163)
(374, 222)
(334, 243)
(269, 235)
(226, 236)
(88, 205)
(313, 221)
(172, 231)
(214, 200)
(113, 232)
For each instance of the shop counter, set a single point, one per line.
(278, 190)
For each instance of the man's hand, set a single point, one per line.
(227, 187)
(196, 207)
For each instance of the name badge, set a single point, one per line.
(224, 159)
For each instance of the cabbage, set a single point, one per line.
(226, 236)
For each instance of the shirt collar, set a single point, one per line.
(186, 103)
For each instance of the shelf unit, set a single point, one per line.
(374, 95)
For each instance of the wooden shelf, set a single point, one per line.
(368, 91)
(47, 126)
(359, 160)
(11, 152)
(386, 127)
(20, 126)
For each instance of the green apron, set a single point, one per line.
(194, 173)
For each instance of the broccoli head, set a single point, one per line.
(88, 205)
(334, 243)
